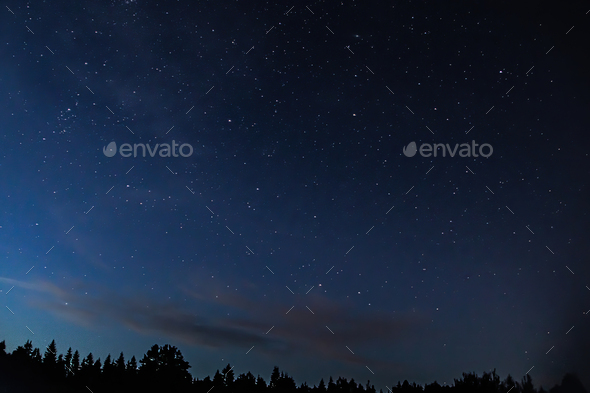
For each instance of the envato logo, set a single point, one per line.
(466, 150)
(164, 150)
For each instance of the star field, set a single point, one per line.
(298, 233)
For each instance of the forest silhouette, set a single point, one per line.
(163, 369)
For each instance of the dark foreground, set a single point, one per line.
(163, 369)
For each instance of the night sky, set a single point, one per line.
(297, 233)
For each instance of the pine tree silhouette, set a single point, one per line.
(163, 369)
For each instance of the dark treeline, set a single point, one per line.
(163, 369)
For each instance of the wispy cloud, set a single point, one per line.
(326, 329)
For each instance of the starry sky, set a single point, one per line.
(298, 233)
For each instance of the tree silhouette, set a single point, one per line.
(132, 366)
(68, 372)
(569, 384)
(526, 386)
(245, 383)
(274, 378)
(163, 369)
(321, 388)
(228, 377)
(50, 356)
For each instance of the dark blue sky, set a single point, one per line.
(298, 234)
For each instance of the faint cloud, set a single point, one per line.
(297, 333)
